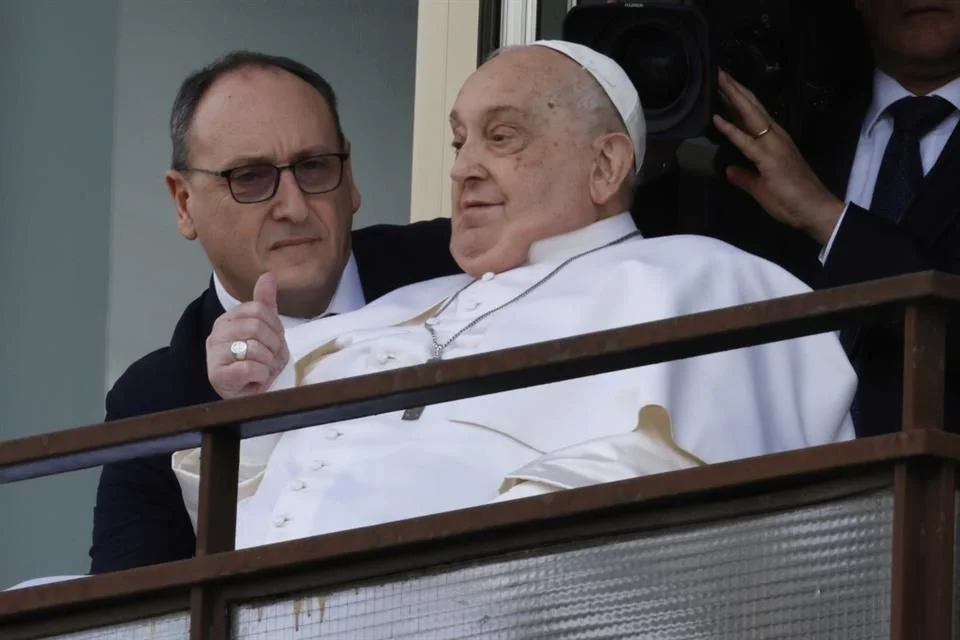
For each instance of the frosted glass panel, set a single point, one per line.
(821, 571)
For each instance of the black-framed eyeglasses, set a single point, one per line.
(252, 183)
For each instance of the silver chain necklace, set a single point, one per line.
(414, 413)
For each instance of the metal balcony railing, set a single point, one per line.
(853, 540)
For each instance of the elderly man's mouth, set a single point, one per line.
(478, 207)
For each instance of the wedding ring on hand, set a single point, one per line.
(762, 133)
(239, 349)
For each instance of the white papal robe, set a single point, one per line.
(468, 452)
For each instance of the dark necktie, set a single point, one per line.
(901, 171)
(898, 182)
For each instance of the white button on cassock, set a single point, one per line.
(316, 465)
(297, 485)
(488, 276)
(279, 521)
(332, 434)
(473, 305)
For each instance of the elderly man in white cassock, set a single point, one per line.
(548, 139)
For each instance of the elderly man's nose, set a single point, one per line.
(466, 165)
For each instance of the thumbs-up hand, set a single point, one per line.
(246, 349)
(265, 292)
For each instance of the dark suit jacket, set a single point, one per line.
(139, 517)
(866, 247)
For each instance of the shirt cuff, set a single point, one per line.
(825, 252)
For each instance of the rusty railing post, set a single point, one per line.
(216, 526)
(924, 345)
(924, 491)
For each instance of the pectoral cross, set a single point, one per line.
(414, 413)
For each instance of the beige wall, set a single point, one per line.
(446, 55)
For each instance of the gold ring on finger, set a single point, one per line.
(762, 133)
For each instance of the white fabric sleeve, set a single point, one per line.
(254, 455)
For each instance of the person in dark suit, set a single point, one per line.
(261, 176)
(874, 191)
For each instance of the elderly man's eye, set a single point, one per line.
(457, 144)
(502, 135)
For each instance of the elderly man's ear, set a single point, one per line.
(612, 166)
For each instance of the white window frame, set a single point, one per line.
(518, 22)
(447, 33)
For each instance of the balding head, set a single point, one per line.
(577, 91)
(541, 152)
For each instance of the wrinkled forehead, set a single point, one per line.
(527, 82)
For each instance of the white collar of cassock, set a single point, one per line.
(348, 296)
(570, 244)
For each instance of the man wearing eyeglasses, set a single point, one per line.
(261, 176)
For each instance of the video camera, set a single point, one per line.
(798, 57)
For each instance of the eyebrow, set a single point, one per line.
(240, 161)
(492, 111)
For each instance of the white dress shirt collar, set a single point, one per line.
(590, 237)
(348, 296)
(886, 91)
